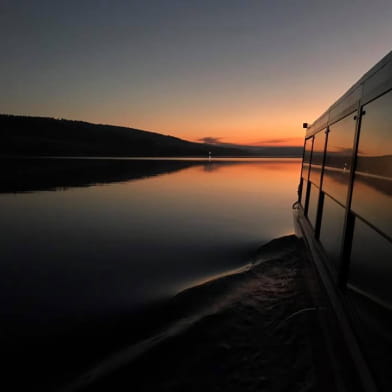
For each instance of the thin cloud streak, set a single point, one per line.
(278, 142)
(271, 143)
(293, 140)
(210, 140)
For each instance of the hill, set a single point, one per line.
(44, 136)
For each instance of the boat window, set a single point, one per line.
(372, 191)
(317, 158)
(370, 293)
(306, 160)
(371, 264)
(313, 204)
(338, 159)
(331, 231)
(303, 192)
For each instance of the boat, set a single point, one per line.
(344, 215)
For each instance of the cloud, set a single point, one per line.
(210, 140)
(343, 150)
(277, 141)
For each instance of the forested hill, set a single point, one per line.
(24, 135)
(48, 136)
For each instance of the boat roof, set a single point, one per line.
(372, 84)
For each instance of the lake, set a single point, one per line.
(90, 242)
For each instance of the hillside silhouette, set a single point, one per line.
(44, 136)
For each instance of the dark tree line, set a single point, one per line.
(44, 136)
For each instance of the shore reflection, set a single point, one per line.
(88, 247)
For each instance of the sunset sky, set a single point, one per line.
(247, 72)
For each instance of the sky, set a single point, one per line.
(233, 71)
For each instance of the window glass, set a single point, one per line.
(317, 158)
(371, 264)
(331, 231)
(313, 204)
(338, 159)
(370, 291)
(372, 192)
(303, 192)
(373, 326)
(306, 160)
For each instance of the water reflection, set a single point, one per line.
(317, 158)
(80, 266)
(35, 174)
(373, 177)
(372, 190)
(26, 175)
(372, 199)
(306, 158)
(335, 183)
(338, 159)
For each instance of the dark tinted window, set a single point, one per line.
(313, 204)
(372, 192)
(371, 264)
(306, 160)
(370, 287)
(331, 231)
(317, 158)
(303, 192)
(338, 159)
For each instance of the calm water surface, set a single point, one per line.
(111, 246)
(80, 240)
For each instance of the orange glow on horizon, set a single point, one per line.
(274, 129)
(248, 141)
(233, 175)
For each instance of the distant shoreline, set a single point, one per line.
(157, 158)
(44, 136)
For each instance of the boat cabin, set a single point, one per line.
(344, 212)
